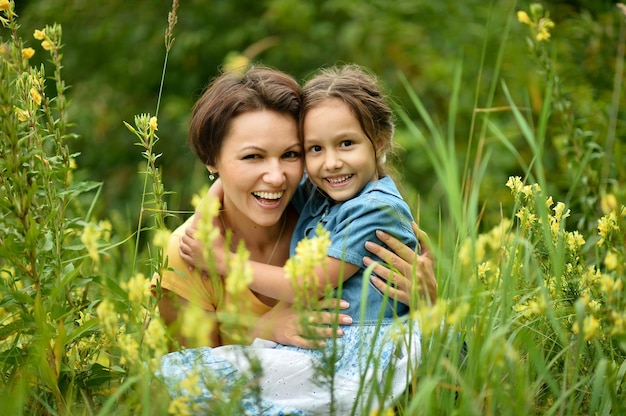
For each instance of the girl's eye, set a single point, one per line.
(315, 149)
(346, 143)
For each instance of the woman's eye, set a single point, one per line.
(291, 155)
(247, 157)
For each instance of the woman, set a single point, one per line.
(244, 127)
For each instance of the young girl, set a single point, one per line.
(347, 128)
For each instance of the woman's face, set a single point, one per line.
(340, 158)
(260, 165)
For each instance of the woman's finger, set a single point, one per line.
(401, 295)
(425, 244)
(398, 247)
(387, 275)
(333, 304)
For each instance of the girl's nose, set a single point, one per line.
(332, 161)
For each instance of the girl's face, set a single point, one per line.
(340, 158)
(260, 165)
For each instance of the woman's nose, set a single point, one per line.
(275, 174)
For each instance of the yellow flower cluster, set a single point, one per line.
(4, 5)
(196, 325)
(46, 41)
(590, 327)
(533, 307)
(108, 317)
(240, 272)
(89, 237)
(153, 123)
(138, 288)
(182, 406)
(539, 23)
(207, 208)
(301, 268)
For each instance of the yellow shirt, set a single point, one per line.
(208, 293)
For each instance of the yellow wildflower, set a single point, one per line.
(301, 268)
(138, 288)
(619, 323)
(608, 203)
(191, 385)
(430, 318)
(590, 327)
(196, 326)
(180, 406)
(458, 314)
(130, 349)
(89, 238)
(515, 184)
(4, 5)
(610, 261)
(594, 306)
(522, 17)
(527, 190)
(104, 225)
(161, 237)
(47, 45)
(483, 268)
(108, 317)
(156, 338)
(542, 35)
(153, 124)
(240, 272)
(35, 96)
(28, 53)
(575, 241)
(39, 34)
(236, 63)
(22, 115)
(559, 211)
(543, 27)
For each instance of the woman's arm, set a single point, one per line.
(170, 307)
(409, 267)
(284, 325)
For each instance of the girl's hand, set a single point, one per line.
(191, 250)
(410, 267)
(282, 324)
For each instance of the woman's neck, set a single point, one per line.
(265, 244)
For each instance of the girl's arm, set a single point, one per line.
(271, 280)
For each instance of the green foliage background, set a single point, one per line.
(533, 281)
(117, 50)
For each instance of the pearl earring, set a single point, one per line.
(211, 175)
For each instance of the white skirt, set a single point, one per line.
(366, 369)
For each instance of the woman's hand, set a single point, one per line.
(282, 324)
(410, 267)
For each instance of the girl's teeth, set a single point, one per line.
(345, 178)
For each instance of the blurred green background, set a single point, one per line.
(114, 53)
